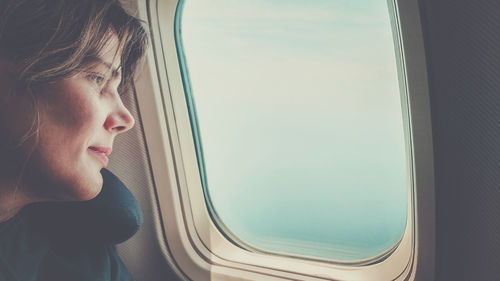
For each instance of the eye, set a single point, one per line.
(96, 78)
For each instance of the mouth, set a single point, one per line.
(101, 153)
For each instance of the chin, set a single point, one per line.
(87, 189)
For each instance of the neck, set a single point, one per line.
(12, 200)
(13, 191)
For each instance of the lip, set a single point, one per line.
(101, 153)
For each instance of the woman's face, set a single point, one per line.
(80, 117)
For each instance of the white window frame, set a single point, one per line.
(192, 243)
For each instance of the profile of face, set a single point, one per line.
(80, 116)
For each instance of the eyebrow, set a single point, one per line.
(115, 72)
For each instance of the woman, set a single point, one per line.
(63, 66)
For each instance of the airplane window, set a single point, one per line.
(298, 112)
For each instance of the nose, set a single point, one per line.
(119, 120)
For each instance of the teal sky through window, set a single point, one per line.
(301, 124)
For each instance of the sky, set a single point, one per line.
(301, 124)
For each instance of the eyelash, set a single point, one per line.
(94, 76)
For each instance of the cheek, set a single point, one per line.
(69, 121)
(70, 112)
(68, 127)
(17, 117)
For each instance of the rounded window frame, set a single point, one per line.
(194, 243)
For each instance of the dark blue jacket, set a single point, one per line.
(71, 240)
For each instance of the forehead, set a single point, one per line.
(110, 54)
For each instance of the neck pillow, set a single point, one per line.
(110, 218)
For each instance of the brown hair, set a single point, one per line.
(52, 39)
(47, 40)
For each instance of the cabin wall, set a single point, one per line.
(462, 40)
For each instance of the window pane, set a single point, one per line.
(300, 119)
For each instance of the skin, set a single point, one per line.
(80, 117)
